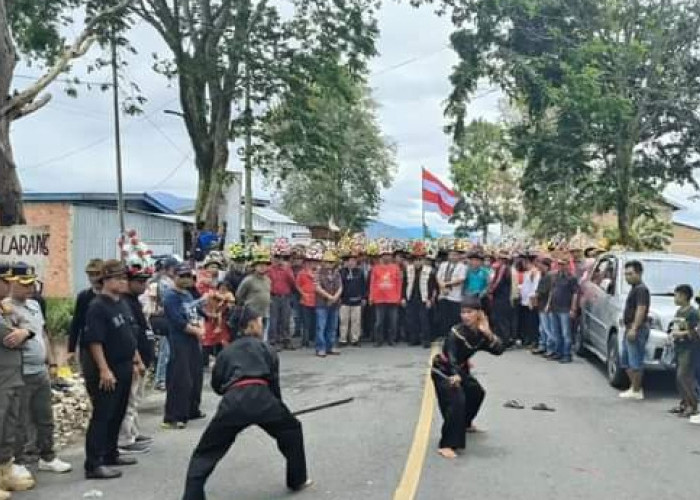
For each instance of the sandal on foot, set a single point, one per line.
(543, 407)
(513, 404)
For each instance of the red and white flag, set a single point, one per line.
(436, 196)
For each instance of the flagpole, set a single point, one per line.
(422, 204)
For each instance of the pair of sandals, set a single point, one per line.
(517, 405)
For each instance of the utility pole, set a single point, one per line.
(117, 138)
(248, 167)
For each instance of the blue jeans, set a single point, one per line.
(326, 327)
(633, 353)
(163, 358)
(545, 331)
(561, 334)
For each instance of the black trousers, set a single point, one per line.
(368, 322)
(108, 410)
(459, 407)
(502, 316)
(418, 323)
(385, 322)
(239, 409)
(528, 324)
(449, 313)
(209, 351)
(183, 380)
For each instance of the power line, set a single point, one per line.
(86, 147)
(410, 61)
(67, 81)
(170, 174)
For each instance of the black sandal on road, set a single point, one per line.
(513, 404)
(543, 407)
(676, 410)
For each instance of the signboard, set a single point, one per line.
(28, 244)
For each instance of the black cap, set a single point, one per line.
(471, 302)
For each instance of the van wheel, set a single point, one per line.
(578, 344)
(616, 375)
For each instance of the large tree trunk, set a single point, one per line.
(11, 208)
(623, 163)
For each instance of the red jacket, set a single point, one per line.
(385, 284)
(306, 283)
(281, 280)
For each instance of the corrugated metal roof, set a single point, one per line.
(273, 216)
(687, 217)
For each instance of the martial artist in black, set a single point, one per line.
(246, 373)
(110, 343)
(459, 394)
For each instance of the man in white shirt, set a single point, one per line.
(450, 280)
(528, 318)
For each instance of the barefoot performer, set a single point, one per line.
(246, 373)
(459, 394)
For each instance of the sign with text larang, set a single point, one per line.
(29, 244)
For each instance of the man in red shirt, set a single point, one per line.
(386, 282)
(282, 286)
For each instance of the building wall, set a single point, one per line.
(96, 231)
(58, 279)
(293, 232)
(686, 240)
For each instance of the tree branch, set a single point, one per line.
(15, 107)
(33, 106)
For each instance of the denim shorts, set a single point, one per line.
(633, 353)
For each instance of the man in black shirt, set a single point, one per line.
(77, 325)
(351, 302)
(562, 309)
(544, 287)
(636, 330)
(111, 345)
(130, 438)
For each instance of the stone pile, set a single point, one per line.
(71, 412)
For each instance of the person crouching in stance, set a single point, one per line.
(459, 394)
(246, 374)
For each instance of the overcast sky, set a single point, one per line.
(68, 145)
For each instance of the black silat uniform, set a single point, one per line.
(109, 322)
(246, 373)
(460, 405)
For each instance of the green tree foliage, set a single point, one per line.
(225, 50)
(31, 31)
(610, 90)
(485, 174)
(647, 234)
(332, 159)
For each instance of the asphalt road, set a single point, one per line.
(593, 446)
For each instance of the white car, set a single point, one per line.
(602, 297)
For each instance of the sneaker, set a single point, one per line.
(565, 360)
(144, 439)
(634, 395)
(160, 387)
(134, 448)
(695, 419)
(21, 472)
(56, 465)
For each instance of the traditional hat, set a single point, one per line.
(431, 249)
(261, 255)
(214, 259)
(461, 245)
(419, 249)
(298, 250)
(359, 243)
(400, 247)
(94, 266)
(237, 251)
(476, 253)
(372, 249)
(112, 269)
(137, 256)
(314, 251)
(281, 247)
(330, 256)
(385, 247)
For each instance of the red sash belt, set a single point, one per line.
(248, 381)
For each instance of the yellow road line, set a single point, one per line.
(408, 486)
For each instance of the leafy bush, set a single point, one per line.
(59, 313)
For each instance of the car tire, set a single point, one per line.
(616, 375)
(578, 344)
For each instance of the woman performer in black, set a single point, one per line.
(246, 373)
(459, 394)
